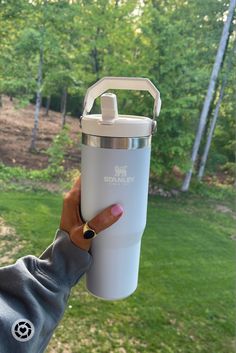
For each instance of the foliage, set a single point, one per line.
(214, 191)
(56, 153)
(230, 168)
(8, 174)
(173, 43)
(186, 284)
(57, 150)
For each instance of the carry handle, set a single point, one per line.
(127, 83)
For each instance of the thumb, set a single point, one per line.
(100, 222)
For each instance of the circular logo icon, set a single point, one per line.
(22, 330)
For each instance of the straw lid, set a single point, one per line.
(123, 126)
(110, 123)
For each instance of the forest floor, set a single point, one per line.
(16, 126)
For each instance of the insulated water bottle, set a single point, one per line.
(115, 169)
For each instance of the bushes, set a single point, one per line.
(55, 169)
(21, 173)
(56, 152)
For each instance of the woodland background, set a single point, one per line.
(52, 51)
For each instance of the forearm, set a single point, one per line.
(37, 289)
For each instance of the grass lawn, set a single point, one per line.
(185, 298)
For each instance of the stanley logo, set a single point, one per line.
(120, 176)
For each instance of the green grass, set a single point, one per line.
(185, 299)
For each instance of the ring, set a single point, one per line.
(88, 232)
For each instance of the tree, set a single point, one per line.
(38, 100)
(48, 105)
(210, 92)
(215, 117)
(175, 49)
(210, 133)
(60, 73)
(15, 72)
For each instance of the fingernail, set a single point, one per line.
(117, 210)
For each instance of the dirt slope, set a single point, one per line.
(15, 136)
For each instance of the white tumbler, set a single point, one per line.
(115, 169)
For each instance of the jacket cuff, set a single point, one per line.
(64, 261)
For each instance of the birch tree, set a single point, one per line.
(214, 119)
(211, 132)
(210, 93)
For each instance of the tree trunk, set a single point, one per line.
(48, 105)
(38, 101)
(96, 62)
(64, 103)
(210, 92)
(214, 119)
(0, 101)
(211, 132)
(95, 56)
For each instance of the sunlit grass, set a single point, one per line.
(185, 299)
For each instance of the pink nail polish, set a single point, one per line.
(117, 210)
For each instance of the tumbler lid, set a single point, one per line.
(110, 123)
(122, 126)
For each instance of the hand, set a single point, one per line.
(71, 220)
